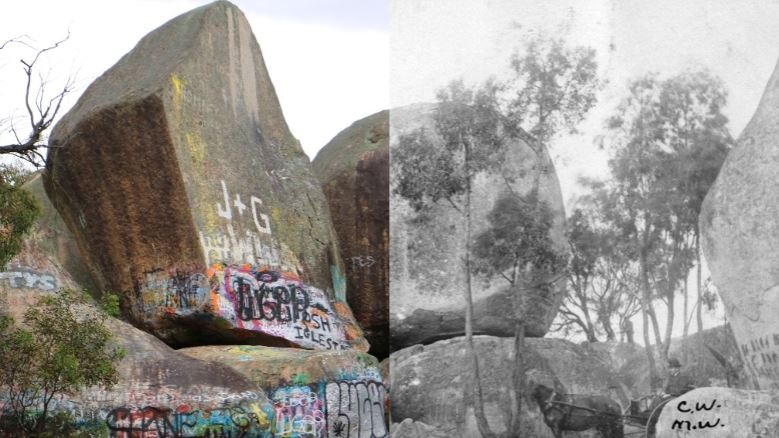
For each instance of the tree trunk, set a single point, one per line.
(669, 324)
(478, 405)
(653, 319)
(590, 331)
(518, 373)
(686, 308)
(645, 307)
(699, 310)
(605, 322)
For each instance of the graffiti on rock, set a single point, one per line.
(26, 278)
(184, 421)
(260, 220)
(363, 261)
(249, 248)
(271, 302)
(175, 290)
(299, 412)
(252, 243)
(761, 356)
(277, 304)
(356, 410)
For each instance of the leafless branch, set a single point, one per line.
(41, 111)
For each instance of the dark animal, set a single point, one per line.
(579, 412)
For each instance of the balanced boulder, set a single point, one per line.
(428, 275)
(739, 224)
(188, 194)
(354, 170)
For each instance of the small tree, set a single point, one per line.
(62, 347)
(518, 247)
(18, 211)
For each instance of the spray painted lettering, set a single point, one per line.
(299, 412)
(356, 410)
(761, 356)
(277, 304)
(260, 220)
(25, 278)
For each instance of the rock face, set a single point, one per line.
(314, 393)
(720, 413)
(427, 276)
(432, 383)
(188, 194)
(159, 389)
(740, 239)
(354, 171)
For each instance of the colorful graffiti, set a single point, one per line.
(323, 409)
(184, 421)
(278, 304)
(271, 302)
(299, 412)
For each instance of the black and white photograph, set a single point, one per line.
(582, 218)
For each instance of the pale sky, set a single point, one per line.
(436, 41)
(328, 59)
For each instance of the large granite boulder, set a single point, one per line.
(331, 394)
(354, 171)
(159, 390)
(740, 239)
(433, 383)
(188, 194)
(720, 413)
(427, 278)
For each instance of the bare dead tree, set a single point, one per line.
(40, 105)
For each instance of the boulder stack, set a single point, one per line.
(187, 194)
(159, 390)
(354, 170)
(427, 278)
(432, 384)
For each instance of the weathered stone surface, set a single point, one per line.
(427, 277)
(409, 428)
(432, 383)
(188, 194)
(314, 393)
(158, 388)
(354, 171)
(740, 239)
(721, 413)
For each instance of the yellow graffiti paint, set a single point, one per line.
(197, 148)
(262, 418)
(178, 86)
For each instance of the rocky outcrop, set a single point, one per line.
(158, 388)
(409, 428)
(720, 413)
(321, 393)
(354, 171)
(426, 249)
(740, 239)
(188, 194)
(433, 383)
